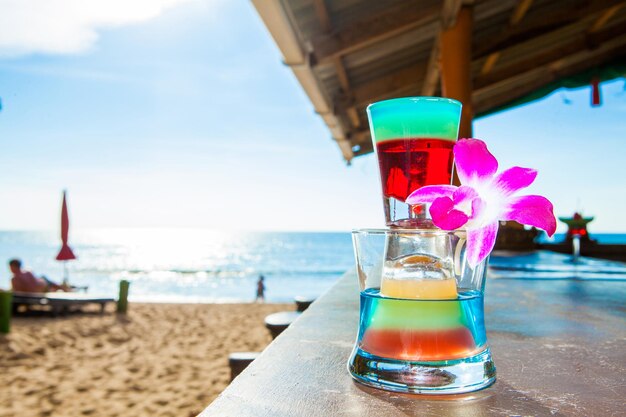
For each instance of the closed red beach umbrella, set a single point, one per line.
(65, 254)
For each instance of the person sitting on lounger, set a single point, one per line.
(25, 281)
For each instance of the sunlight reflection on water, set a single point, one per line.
(188, 265)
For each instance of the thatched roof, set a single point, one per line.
(349, 53)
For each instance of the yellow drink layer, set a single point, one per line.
(419, 289)
(418, 277)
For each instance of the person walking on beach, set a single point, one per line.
(260, 289)
(25, 281)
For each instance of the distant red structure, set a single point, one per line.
(576, 226)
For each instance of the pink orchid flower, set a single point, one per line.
(483, 199)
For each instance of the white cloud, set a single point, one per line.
(68, 26)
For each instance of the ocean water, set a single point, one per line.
(546, 265)
(187, 265)
(605, 238)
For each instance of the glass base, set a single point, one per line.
(441, 377)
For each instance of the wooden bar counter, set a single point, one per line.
(559, 347)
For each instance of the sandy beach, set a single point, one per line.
(159, 360)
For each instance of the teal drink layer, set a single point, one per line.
(414, 117)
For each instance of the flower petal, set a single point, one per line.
(478, 207)
(464, 198)
(445, 216)
(463, 194)
(480, 243)
(473, 161)
(514, 179)
(430, 193)
(533, 210)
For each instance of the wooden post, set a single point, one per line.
(122, 301)
(456, 61)
(6, 307)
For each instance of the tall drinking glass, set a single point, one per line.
(413, 140)
(421, 326)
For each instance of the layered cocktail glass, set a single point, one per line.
(421, 327)
(413, 140)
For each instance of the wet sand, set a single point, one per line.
(159, 360)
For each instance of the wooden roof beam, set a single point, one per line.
(365, 147)
(382, 87)
(322, 14)
(456, 63)
(324, 18)
(279, 23)
(518, 14)
(577, 44)
(536, 24)
(520, 11)
(542, 77)
(538, 77)
(449, 13)
(344, 81)
(431, 80)
(605, 17)
(365, 32)
(342, 75)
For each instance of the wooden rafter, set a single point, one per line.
(383, 87)
(490, 62)
(512, 88)
(605, 17)
(544, 56)
(518, 14)
(365, 147)
(537, 24)
(449, 12)
(456, 63)
(409, 78)
(431, 80)
(342, 75)
(537, 78)
(322, 14)
(363, 33)
(520, 11)
(344, 81)
(351, 55)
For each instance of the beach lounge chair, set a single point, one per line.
(58, 302)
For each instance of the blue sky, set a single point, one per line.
(185, 117)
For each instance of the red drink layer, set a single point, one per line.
(424, 345)
(411, 163)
